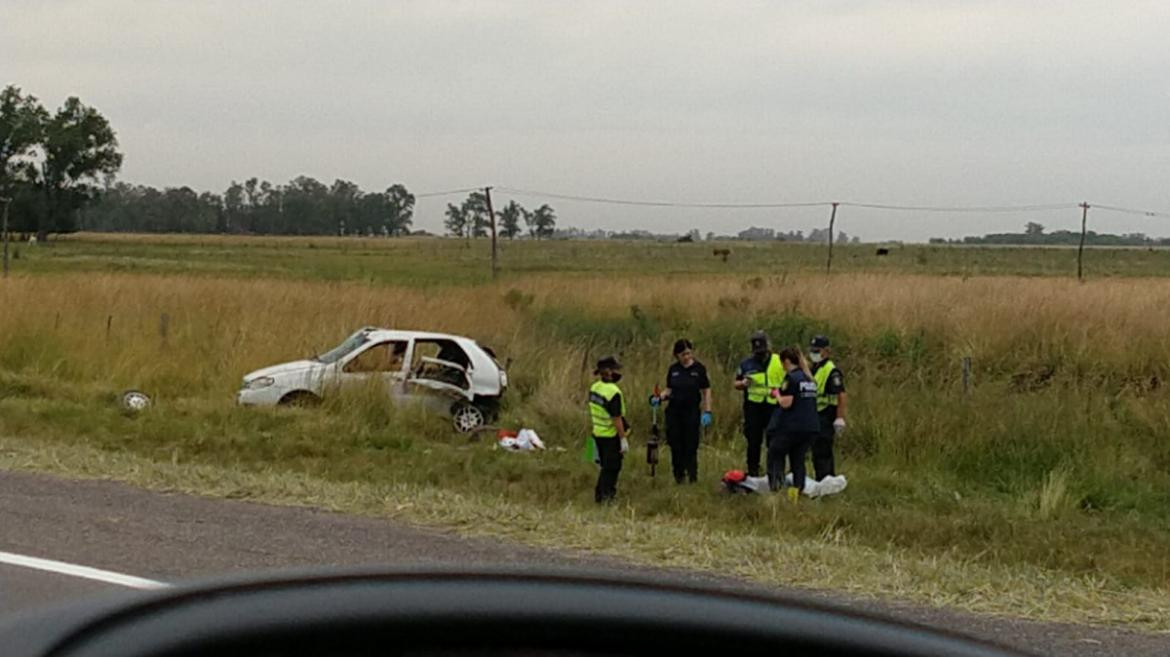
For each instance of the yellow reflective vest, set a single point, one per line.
(822, 378)
(600, 395)
(762, 383)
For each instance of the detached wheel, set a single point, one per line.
(466, 417)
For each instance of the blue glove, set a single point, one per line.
(655, 401)
(706, 419)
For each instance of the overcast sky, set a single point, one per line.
(901, 102)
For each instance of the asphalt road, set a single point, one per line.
(171, 537)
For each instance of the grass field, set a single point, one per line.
(1044, 492)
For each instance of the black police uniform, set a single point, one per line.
(683, 415)
(756, 415)
(792, 430)
(824, 465)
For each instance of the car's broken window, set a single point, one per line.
(446, 350)
(351, 344)
(384, 357)
(424, 365)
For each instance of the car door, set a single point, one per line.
(382, 361)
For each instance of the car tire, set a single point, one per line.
(300, 399)
(467, 417)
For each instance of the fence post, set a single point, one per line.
(966, 375)
(4, 232)
(1081, 248)
(832, 221)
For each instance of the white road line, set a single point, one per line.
(84, 572)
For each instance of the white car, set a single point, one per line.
(452, 372)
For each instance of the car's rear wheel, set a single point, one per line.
(467, 417)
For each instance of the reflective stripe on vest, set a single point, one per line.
(822, 378)
(600, 394)
(761, 384)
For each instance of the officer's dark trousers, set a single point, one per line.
(822, 448)
(609, 451)
(790, 445)
(682, 434)
(755, 423)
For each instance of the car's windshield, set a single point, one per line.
(340, 351)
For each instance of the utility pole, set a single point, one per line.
(1081, 248)
(832, 221)
(4, 231)
(487, 192)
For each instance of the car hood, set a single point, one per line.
(284, 369)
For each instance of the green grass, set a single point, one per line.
(418, 261)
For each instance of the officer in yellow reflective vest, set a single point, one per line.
(831, 402)
(607, 409)
(758, 376)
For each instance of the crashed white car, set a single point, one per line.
(453, 373)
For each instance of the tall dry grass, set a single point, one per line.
(1057, 459)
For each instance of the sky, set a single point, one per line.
(901, 102)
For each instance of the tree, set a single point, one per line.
(544, 222)
(510, 219)
(819, 235)
(343, 197)
(22, 127)
(1034, 229)
(80, 150)
(233, 207)
(475, 210)
(399, 210)
(306, 206)
(456, 221)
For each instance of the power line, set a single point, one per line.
(1143, 213)
(984, 209)
(802, 204)
(661, 204)
(980, 209)
(449, 192)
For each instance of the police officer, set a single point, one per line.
(758, 376)
(689, 393)
(607, 409)
(831, 401)
(794, 424)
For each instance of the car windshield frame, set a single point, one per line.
(351, 344)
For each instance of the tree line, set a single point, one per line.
(303, 206)
(1035, 234)
(472, 219)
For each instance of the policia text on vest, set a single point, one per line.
(607, 412)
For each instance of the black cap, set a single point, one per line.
(607, 363)
(819, 342)
(759, 341)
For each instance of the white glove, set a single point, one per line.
(625, 446)
(839, 425)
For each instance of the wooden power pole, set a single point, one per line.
(1081, 248)
(487, 192)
